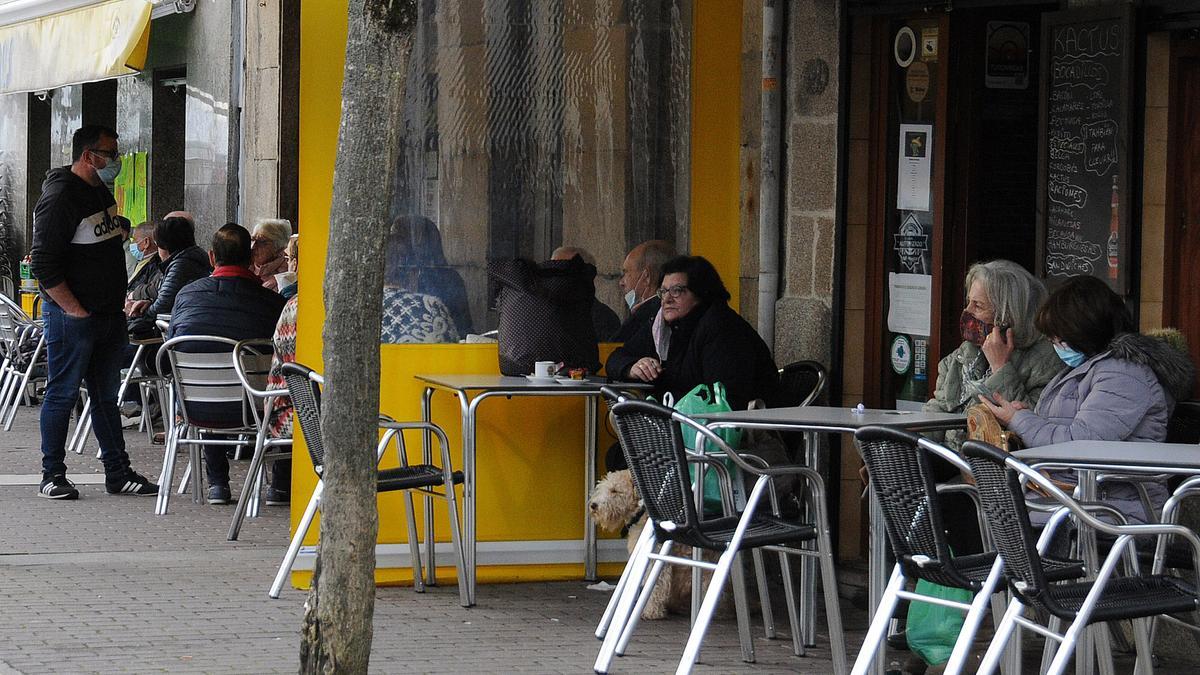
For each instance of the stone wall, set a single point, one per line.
(261, 159)
(803, 314)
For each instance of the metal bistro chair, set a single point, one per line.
(651, 438)
(713, 463)
(999, 477)
(265, 449)
(139, 375)
(902, 477)
(206, 378)
(304, 386)
(803, 382)
(24, 345)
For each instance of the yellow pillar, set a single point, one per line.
(716, 137)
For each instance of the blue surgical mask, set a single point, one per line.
(631, 299)
(111, 170)
(135, 251)
(1069, 356)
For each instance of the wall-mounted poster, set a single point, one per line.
(910, 301)
(916, 150)
(1007, 55)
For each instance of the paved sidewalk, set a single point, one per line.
(104, 585)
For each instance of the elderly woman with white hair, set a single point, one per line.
(269, 241)
(1002, 352)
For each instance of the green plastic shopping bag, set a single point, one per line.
(933, 629)
(706, 399)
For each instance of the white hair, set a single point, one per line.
(277, 230)
(1015, 295)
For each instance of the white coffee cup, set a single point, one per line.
(544, 369)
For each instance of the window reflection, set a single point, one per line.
(530, 126)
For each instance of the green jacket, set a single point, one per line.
(964, 374)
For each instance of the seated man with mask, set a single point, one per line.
(147, 273)
(639, 280)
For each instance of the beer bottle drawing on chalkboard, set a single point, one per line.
(1114, 224)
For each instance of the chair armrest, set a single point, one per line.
(1084, 516)
(393, 428)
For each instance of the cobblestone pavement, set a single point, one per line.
(104, 585)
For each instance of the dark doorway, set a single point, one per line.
(1183, 194)
(167, 142)
(991, 176)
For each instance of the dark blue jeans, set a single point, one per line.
(92, 351)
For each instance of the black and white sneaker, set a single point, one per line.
(58, 487)
(129, 483)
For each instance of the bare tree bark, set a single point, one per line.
(337, 630)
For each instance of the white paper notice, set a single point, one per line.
(910, 303)
(912, 170)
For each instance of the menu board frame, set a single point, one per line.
(1122, 113)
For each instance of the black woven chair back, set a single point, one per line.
(306, 399)
(1184, 426)
(802, 382)
(1003, 502)
(903, 480)
(653, 448)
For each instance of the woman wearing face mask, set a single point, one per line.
(1118, 385)
(1002, 352)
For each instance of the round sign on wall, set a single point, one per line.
(904, 48)
(916, 81)
(901, 354)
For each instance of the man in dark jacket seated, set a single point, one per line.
(640, 273)
(183, 263)
(231, 303)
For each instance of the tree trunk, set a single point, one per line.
(337, 630)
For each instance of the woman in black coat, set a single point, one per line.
(697, 339)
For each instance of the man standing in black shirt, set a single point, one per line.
(79, 261)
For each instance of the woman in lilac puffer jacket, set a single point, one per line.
(1119, 386)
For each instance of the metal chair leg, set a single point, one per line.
(829, 581)
(636, 569)
(167, 475)
(647, 589)
(979, 605)
(793, 605)
(289, 558)
(253, 475)
(460, 561)
(414, 543)
(764, 595)
(708, 607)
(877, 631)
(991, 659)
(606, 619)
(37, 351)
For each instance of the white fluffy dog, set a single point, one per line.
(616, 507)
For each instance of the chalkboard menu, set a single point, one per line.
(1083, 169)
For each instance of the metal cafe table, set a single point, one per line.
(1089, 459)
(471, 391)
(814, 420)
